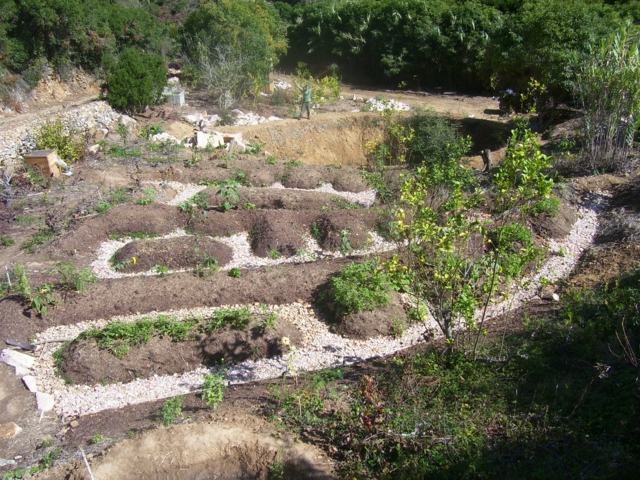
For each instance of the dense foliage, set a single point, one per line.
(136, 80)
(73, 32)
(465, 44)
(608, 89)
(244, 36)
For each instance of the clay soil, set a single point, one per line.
(85, 363)
(174, 253)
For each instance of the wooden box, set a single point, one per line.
(46, 161)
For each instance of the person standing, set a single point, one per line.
(306, 102)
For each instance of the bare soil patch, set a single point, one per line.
(220, 450)
(174, 253)
(385, 321)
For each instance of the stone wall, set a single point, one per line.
(17, 137)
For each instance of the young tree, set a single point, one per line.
(136, 80)
(608, 88)
(455, 261)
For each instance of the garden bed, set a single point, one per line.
(165, 345)
(186, 252)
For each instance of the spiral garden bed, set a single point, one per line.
(168, 268)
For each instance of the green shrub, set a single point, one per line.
(608, 89)
(522, 179)
(136, 80)
(358, 287)
(171, 410)
(213, 390)
(236, 318)
(234, 45)
(67, 142)
(433, 137)
(71, 277)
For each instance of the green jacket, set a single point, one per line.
(306, 95)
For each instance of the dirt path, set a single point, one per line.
(16, 120)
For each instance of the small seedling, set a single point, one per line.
(6, 241)
(235, 272)
(345, 243)
(161, 270)
(123, 132)
(97, 439)
(171, 410)
(271, 160)
(397, 327)
(149, 196)
(213, 390)
(269, 322)
(74, 278)
(274, 254)
(254, 148)
(206, 267)
(249, 206)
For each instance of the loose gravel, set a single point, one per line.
(242, 255)
(319, 349)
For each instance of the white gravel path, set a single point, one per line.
(242, 255)
(184, 191)
(321, 348)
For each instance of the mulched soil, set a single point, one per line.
(174, 253)
(258, 172)
(85, 363)
(279, 199)
(385, 321)
(126, 296)
(351, 227)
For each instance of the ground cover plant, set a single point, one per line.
(553, 399)
(358, 287)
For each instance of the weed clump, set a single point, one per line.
(171, 410)
(358, 287)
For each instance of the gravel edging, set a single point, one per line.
(242, 255)
(320, 348)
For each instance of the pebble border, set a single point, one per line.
(320, 349)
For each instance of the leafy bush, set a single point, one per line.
(544, 39)
(522, 179)
(358, 287)
(171, 410)
(67, 142)
(71, 277)
(234, 45)
(136, 80)
(73, 32)
(213, 390)
(433, 138)
(236, 318)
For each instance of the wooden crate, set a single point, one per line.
(45, 161)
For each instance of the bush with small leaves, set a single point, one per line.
(213, 390)
(171, 410)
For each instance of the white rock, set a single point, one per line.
(20, 361)
(94, 149)
(31, 383)
(236, 146)
(173, 81)
(204, 140)
(45, 401)
(127, 121)
(164, 137)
